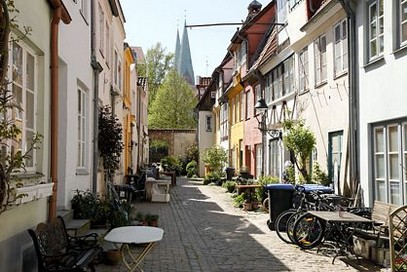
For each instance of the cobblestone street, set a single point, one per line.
(204, 232)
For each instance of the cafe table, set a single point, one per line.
(340, 226)
(126, 236)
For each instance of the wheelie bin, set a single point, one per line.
(280, 200)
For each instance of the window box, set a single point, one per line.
(26, 194)
(44, 190)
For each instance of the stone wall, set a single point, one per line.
(178, 140)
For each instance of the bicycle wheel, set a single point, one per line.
(290, 225)
(308, 231)
(280, 226)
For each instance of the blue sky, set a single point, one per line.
(152, 21)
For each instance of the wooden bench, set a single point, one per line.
(58, 251)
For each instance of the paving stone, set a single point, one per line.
(204, 232)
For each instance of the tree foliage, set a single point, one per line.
(110, 139)
(216, 158)
(301, 141)
(174, 104)
(155, 68)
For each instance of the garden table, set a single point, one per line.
(340, 227)
(134, 235)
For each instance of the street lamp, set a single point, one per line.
(262, 107)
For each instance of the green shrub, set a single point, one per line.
(171, 163)
(229, 185)
(260, 193)
(319, 176)
(216, 158)
(192, 169)
(211, 177)
(238, 200)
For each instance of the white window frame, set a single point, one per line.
(22, 118)
(303, 70)
(340, 47)
(320, 60)
(282, 10)
(268, 88)
(259, 159)
(389, 153)
(82, 118)
(101, 31)
(108, 48)
(403, 22)
(375, 29)
(288, 76)
(84, 10)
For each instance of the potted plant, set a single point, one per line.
(153, 220)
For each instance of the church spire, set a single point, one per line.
(185, 61)
(177, 54)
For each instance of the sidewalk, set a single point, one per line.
(204, 232)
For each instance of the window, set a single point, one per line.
(259, 160)
(320, 60)
(23, 87)
(277, 82)
(84, 9)
(283, 78)
(341, 47)
(335, 142)
(241, 106)
(208, 123)
(257, 96)
(303, 70)
(275, 158)
(268, 87)
(82, 116)
(288, 76)
(389, 162)
(282, 9)
(376, 28)
(101, 31)
(108, 49)
(242, 53)
(403, 22)
(247, 105)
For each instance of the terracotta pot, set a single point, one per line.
(247, 206)
(112, 256)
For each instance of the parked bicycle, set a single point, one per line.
(304, 199)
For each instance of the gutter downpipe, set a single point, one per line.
(97, 69)
(353, 98)
(57, 16)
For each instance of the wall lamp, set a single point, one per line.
(262, 107)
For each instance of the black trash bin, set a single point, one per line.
(280, 200)
(230, 172)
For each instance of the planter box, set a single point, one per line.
(44, 190)
(26, 194)
(363, 247)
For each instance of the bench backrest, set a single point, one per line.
(381, 211)
(50, 238)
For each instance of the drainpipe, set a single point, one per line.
(60, 12)
(353, 97)
(97, 69)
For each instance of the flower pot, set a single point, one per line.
(111, 256)
(153, 223)
(247, 206)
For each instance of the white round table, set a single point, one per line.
(134, 235)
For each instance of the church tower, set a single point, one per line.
(183, 60)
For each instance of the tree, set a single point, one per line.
(155, 68)
(301, 141)
(174, 104)
(110, 140)
(216, 158)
